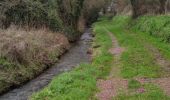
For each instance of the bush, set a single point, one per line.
(27, 13)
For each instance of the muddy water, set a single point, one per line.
(76, 55)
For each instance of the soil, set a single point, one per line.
(111, 86)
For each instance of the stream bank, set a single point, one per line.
(75, 56)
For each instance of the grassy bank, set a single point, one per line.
(80, 84)
(25, 54)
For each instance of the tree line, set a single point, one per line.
(140, 7)
(57, 15)
(160, 6)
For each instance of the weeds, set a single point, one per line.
(24, 54)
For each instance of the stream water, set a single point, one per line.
(76, 55)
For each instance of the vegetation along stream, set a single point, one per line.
(76, 55)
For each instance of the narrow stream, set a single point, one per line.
(76, 55)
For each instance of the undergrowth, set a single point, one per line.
(157, 26)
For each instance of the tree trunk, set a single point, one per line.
(134, 4)
(162, 6)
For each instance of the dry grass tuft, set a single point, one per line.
(24, 54)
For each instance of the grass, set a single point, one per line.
(26, 53)
(163, 47)
(74, 85)
(137, 60)
(156, 26)
(134, 84)
(152, 92)
(80, 84)
(156, 30)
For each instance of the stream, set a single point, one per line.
(76, 55)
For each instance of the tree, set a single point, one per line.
(162, 6)
(135, 6)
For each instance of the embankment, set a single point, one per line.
(26, 54)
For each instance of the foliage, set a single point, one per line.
(157, 26)
(57, 15)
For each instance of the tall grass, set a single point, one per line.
(24, 54)
(157, 26)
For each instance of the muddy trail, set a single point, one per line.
(76, 55)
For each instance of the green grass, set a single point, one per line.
(134, 84)
(152, 92)
(138, 61)
(157, 26)
(74, 85)
(80, 84)
(156, 29)
(163, 47)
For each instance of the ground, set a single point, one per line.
(131, 51)
(127, 64)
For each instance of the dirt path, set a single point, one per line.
(76, 55)
(114, 83)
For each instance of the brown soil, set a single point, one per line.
(111, 87)
(164, 83)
